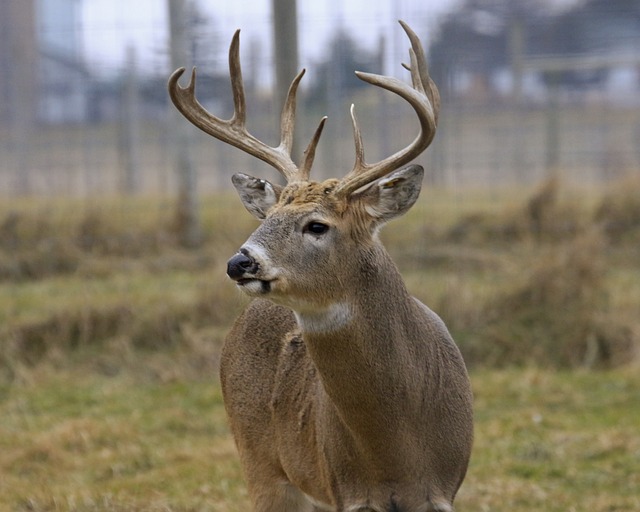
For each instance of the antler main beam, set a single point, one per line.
(423, 96)
(233, 131)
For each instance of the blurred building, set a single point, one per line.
(64, 80)
(523, 49)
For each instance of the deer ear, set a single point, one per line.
(257, 195)
(393, 195)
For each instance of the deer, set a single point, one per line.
(343, 392)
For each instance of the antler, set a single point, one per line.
(425, 100)
(233, 131)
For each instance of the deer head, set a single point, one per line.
(317, 226)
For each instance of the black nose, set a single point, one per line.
(240, 265)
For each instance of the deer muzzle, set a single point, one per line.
(242, 266)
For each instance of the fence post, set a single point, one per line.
(516, 50)
(187, 216)
(22, 94)
(130, 126)
(285, 38)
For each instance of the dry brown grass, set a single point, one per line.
(536, 281)
(619, 211)
(554, 304)
(108, 395)
(556, 313)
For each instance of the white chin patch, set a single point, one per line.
(255, 287)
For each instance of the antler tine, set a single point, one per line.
(420, 71)
(310, 152)
(237, 84)
(233, 131)
(357, 138)
(422, 96)
(288, 117)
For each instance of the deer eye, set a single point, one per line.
(317, 228)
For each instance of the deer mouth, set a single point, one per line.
(254, 286)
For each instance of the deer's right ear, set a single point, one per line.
(257, 195)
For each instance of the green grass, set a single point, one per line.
(77, 441)
(80, 442)
(555, 441)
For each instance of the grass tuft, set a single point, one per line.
(558, 315)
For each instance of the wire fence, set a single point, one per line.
(92, 135)
(479, 147)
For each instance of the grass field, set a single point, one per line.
(557, 441)
(110, 335)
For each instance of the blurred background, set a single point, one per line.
(529, 87)
(117, 219)
(532, 179)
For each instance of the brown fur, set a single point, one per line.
(343, 392)
(375, 414)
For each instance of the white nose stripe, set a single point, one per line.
(259, 253)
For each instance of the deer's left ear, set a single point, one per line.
(257, 195)
(393, 195)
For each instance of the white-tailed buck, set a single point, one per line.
(343, 391)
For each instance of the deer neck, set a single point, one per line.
(360, 347)
(374, 294)
(359, 341)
